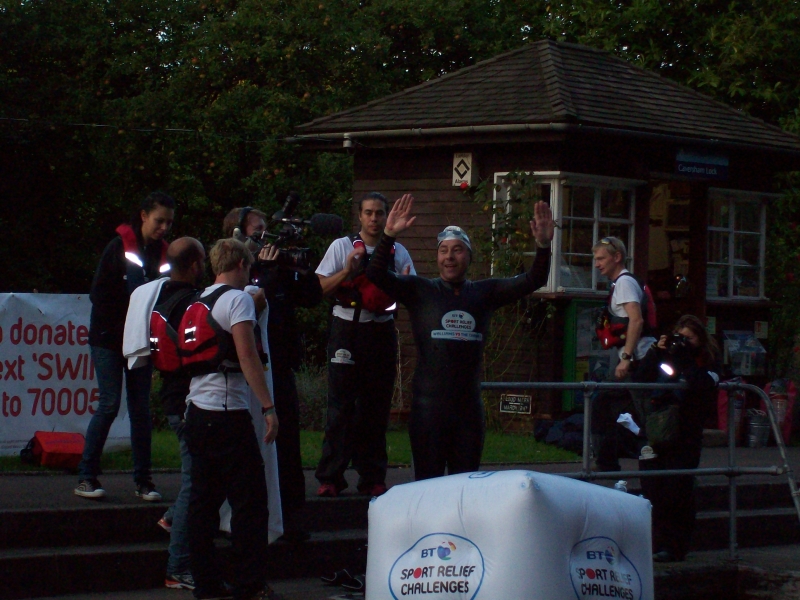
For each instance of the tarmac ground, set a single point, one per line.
(25, 492)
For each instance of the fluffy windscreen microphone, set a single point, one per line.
(325, 224)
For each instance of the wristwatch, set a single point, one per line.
(625, 356)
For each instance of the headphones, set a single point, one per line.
(239, 232)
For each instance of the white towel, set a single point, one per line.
(136, 339)
(268, 452)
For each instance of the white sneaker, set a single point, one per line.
(147, 492)
(89, 488)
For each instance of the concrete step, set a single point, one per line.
(95, 523)
(53, 571)
(96, 547)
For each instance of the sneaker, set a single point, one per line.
(89, 488)
(147, 492)
(165, 525)
(179, 581)
(375, 489)
(327, 490)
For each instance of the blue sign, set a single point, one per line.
(701, 166)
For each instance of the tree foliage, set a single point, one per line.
(104, 101)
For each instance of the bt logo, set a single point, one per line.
(443, 551)
(607, 554)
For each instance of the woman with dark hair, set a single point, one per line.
(136, 255)
(690, 354)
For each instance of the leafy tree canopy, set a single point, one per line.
(104, 101)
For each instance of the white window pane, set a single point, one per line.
(578, 202)
(616, 230)
(745, 282)
(718, 247)
(720, 212)
(716, 282)
(747, 249)
(615, 204)
(748, 216)
(576, 271)
(577, 237)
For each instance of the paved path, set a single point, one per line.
(47, 491)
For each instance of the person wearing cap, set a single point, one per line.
(450, 318)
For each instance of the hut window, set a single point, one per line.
(587, 208)
(736, 245)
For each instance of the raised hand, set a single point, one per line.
(542, 226)
(399, 218)
(353, 259)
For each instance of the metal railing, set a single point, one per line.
(731, 471)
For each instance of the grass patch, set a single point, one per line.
(499, 448)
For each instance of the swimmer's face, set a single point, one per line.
(453, 260)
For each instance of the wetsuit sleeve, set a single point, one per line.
(513, 288)
(400, 287)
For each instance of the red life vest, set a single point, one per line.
(612, 330)
(164, 353)
(203, 345)
(359, 292)
(134, 264)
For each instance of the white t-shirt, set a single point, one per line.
(218, 391)
(627, 289)
(334, 261)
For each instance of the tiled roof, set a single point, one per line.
(549, 82)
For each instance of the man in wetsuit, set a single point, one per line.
(450, 318)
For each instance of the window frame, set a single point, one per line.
(734, 196)
(557, 180)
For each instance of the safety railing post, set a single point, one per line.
(731, 471)
(776, 430)
(732, 542)
(588, 391)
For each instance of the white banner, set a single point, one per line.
(46, 372)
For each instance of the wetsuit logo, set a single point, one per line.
(343, 357)
(599, 569)
(457, 325)
(439, 565)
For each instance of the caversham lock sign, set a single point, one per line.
(700, 165)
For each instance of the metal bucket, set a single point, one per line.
(757, 428)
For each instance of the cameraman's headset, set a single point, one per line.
(239, 232)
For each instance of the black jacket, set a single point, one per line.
(110, 295)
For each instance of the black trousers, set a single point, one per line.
(226, 463)
(290, 463)
(610, 440)
(361, 374)
(446, 433)
(673, 498)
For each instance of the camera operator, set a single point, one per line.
(285, 287)
(689, 355)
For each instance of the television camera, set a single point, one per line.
(289, 238)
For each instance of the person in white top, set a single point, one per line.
(226, 460)
(610, 440)
(362, 353)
